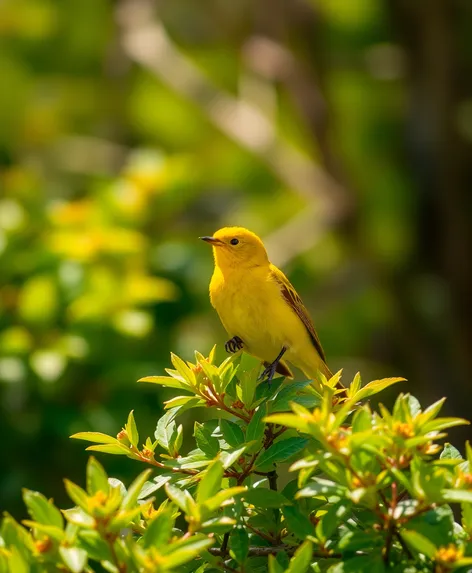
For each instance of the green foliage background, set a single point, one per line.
(339, 131)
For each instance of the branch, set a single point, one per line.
(272, 476)
(255, 551)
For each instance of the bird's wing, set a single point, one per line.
(293, 299)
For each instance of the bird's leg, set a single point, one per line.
(234, 344)
(269, 372)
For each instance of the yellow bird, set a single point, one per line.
(260, 309)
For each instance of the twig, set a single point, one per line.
(253, 551)
(403, 544)
(260, 533)
(224, 546)
(111, 544)
(186, 471)
(247, 469)
(289, 549)
(272, 476)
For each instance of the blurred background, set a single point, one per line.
(339, 131)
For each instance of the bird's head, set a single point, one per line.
(237, 247)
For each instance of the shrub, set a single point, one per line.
(365, 490)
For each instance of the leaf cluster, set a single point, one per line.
(281, 478)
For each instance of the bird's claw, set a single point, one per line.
(268, 373)
(234, 344)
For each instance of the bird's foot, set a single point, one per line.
(271, 369)
(268, 372)
(233, 345)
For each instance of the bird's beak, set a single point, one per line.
(214, 242)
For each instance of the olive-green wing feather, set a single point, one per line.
(293, 299)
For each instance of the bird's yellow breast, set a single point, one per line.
(251, 306)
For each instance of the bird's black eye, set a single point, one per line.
(234, 241)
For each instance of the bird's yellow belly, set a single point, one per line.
(263, 321)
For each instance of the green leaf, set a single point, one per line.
(79, 517)
(419, 543)
(97, 479)
(183, 369)
(413, 405)
(168, 381)
(331, 519)
(265, 498)
(375, 387)
(443, 423)
(17, 562)
(355, 384)
(77, 494)
(151, 486)
(255, 428)
(184, 551)
(362, 420)
(74, 558)
(239, 544)
(159, 530)
(42, 510)
(117, 449)
(437, 524)
(166, 431)
(450, 453)
(50, 530)
(294, 421)
(229, 458)
(218, 525)
(275, 567)
(432, 411)
(221, 497)
(322, 487)
(297, 522)
(246, 388)
(13, 534)
(280, 451)
(456, 495)
(96, 547)
(177, 444)
(96, 437)
(467, 518)
(177, 496)
(124, 519)
(248, 363)
(188, 402)
(131, 498)
(232, 433)
(468, 452)
(132, 430)
(210, 483)
(301, 561)
(205, 441)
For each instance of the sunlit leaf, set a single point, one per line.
(132, 430)
(131, 497)
(95, 437)
(300, 562)
(419, 543)
(74, 557)
(210, 483)
(41, 509)
(97, 479)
